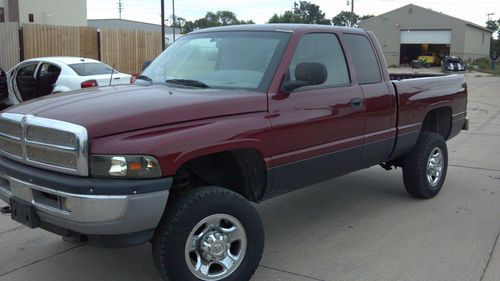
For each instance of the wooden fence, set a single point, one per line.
(128, 49)
(9, 45)
(125, 49)
(50, 40)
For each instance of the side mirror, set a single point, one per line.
(145, 65)
(290, 85)
(307, 74)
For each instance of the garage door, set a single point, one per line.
(426, 37)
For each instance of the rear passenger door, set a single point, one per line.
(379, 100)
(317, 130)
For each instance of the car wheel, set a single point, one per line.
(424, 169)
(211, 234)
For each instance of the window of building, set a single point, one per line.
(322, 48)
(2, 14)
(483, 38)
(365, 61)
(31, 18)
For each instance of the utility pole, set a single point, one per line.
(352, 10)
(120, 8)
(163, 24)
(173, 18)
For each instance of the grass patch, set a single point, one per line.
(484, 65)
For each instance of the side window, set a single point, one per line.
(322, 48)
(365, 62)
(27, 71)
(48, 69)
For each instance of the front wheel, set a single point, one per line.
(209, 234)
(424, 169)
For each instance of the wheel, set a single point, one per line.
(210, 234)
(427, 65)
(424, 169)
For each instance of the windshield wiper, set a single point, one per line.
(144, 77)
(188, 82)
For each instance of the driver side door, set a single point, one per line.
(317, 130)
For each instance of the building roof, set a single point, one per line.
(430, 11)
(129, 24)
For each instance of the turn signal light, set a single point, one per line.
(89, 84)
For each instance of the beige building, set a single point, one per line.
(407, 32)
(53, 12)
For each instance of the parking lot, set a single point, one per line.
(363, 226)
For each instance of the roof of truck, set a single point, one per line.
(283, 27)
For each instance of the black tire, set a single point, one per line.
(187, 211)
(415, 166)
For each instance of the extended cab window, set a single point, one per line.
(323, 48)
(365, 62)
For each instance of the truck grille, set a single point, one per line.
(45, 143)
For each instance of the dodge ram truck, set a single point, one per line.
(222, 118)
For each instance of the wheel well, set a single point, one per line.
(242, 171)
(438, 121)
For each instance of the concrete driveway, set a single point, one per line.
(362, 226)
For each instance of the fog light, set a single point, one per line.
(66, 204)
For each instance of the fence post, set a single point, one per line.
(21, 44)
(99, 44)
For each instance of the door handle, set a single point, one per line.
(357, 103)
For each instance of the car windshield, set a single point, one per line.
(225, 60)
(91, 68)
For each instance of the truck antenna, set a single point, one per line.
(111, 77)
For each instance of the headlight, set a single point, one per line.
(124, 166)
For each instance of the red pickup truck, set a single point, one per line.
(224, 117)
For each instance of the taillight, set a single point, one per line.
(133, 78)
(89, 84)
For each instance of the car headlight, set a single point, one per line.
(124, 166)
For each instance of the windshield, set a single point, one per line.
(91, 68)
(225, 60)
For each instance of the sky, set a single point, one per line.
(261, 10)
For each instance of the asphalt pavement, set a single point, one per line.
(363, 226)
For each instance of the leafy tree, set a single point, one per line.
(303, 12)
(494, 25)
(212, 19)
(345, 18)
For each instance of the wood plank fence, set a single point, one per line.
(128, 49)
(125, 49)
(9, 45)
(50, 40)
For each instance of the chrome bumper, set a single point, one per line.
(97, 214)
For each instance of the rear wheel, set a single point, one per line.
(424, 169)
(209, 234)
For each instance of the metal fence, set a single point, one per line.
(9, 45)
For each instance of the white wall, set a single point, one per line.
(54, 12)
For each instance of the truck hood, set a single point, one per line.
(111, 110)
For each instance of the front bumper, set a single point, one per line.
(86, 205)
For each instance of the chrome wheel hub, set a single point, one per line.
(435, 166)
(215, 247)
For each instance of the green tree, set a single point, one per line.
(212, 19)
(345, 18)
(303, 12)
(494, 26)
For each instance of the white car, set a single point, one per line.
(43, 76)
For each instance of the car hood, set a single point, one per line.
(111, 110)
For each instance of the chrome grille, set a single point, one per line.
(45, 143)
